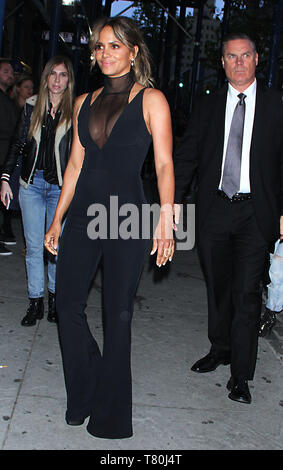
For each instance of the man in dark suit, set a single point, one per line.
(234, 142)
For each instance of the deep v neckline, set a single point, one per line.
(117, 121)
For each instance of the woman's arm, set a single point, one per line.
(18, 142)
(158, 119)
(69, 182)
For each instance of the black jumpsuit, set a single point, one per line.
(99, 383)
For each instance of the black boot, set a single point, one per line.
(267, 322)
(52, 314)
(35, 312)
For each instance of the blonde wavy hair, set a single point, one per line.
(42, 104)
(126, 31)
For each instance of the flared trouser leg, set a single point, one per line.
(98, 384)
(112, 413)
(78, 260)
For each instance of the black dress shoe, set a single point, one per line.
(210, 362)
(74, 422)
(239, 390)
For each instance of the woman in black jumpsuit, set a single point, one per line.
(113, 128)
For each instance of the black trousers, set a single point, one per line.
(233, 254)
(98, 383)
(5, 220)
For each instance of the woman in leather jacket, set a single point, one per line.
(43, 142)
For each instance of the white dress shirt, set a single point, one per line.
(232, 100)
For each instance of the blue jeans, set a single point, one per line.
(38, 204)
(275, 288)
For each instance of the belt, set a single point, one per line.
(237, 197)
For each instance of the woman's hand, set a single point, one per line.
(52, 237)
(163, 240)
(6, 194)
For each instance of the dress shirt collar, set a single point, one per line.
(249, 92)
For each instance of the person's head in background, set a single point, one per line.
(6, 75)
(23, 89)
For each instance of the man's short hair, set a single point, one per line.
(233, 36)
(4, 61)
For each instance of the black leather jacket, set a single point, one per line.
(27, 150)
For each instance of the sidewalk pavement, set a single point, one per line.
(173, 407)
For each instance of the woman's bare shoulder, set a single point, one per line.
(78, 103)
(153, 94)
(154, 99)
(95, 94)
(80, 99)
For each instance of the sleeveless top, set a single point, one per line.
(116, 144)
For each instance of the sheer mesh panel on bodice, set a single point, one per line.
(108, 107)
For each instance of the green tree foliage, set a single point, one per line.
(254, 17)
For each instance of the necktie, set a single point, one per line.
(232, 166)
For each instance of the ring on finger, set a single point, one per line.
(167, 252)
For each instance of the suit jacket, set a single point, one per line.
(201, 151)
